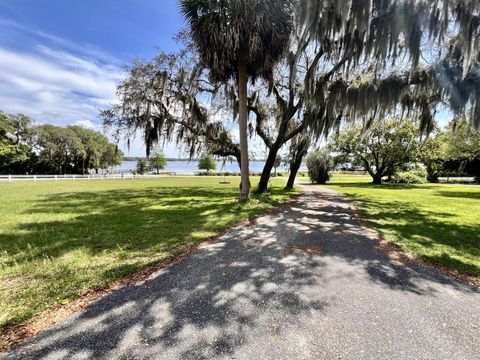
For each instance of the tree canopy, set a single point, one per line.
(158, 161)
(207, 162)
(26, 148)
(382, 149)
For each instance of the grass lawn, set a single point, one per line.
(60, 239)
(437, 222)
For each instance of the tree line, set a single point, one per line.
(26, 148)
(394, 150)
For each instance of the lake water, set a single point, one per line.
(190, 167)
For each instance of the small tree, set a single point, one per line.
(462, 146)
(384, 147)
(432, 154)
(207, 162)
(158, 161)
(319, 164)
(277, 163)
(141, 166)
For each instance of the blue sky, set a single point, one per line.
(61, 59)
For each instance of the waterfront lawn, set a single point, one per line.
(437, 222)
(59, 240)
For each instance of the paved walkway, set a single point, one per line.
(255, 295)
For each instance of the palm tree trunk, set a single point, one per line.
(243, 120)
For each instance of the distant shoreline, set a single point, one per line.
(136, 158)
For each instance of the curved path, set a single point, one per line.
(304, 282)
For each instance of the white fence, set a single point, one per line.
(10, 178)
(456, 179)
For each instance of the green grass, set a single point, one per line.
(60, 239)
(437, 222)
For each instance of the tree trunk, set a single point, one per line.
(293, 173)
(295, 166)
(267, 170)
(243, 122)
(377, 179)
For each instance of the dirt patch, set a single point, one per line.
(311, 250)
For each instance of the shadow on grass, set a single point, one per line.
(237, 290)
(422, 230)
(460, 194)
(389, 186)
(152, 219)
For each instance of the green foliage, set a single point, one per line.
(142, 167)
(462, 148)
(319, 164)
(15, 154)
(222, 30)
(381, 149)
(111, 156)
(60, 240)
(217, 173)
(25, 148)
(207, 162)
(158, 161)
(418, 176)
(461, 141)
(58, 148)
(432, 154)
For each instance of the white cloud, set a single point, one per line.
(55, 86)
(88, 125)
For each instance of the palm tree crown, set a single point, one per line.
(222, 29)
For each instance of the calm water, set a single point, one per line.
(190, 167)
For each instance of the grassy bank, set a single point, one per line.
(439, 223)
(60, 239)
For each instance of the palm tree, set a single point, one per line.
(240, 39)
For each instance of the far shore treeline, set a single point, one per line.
(136, 158)
(26, 148)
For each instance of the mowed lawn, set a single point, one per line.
(437, 222)
(60, 239)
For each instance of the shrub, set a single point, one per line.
(418, 176)
(319, 164)
(216, 173)
(142, 167)
(226, 173)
